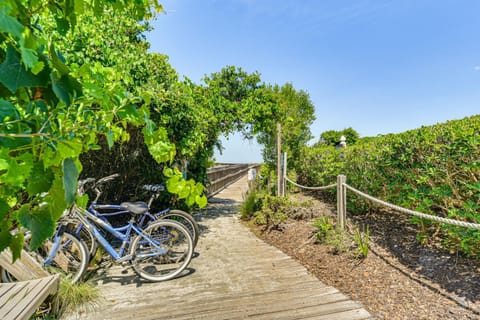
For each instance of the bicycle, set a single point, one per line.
(138, 208)
(159, 252)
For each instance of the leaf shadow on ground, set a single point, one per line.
(216, 208)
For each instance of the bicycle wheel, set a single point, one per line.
(163, 251)
(70, 259)
(187, 220)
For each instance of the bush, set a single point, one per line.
(434, 169)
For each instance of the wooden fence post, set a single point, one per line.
(284, 174)
(341, 202)
(279, 160)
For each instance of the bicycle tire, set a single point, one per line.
(72, 261)
(72, 257)
(187, 220)
(177, 244)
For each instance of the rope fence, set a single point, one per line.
(341, 204)
(311, 188)
(414, 213)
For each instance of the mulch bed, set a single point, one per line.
(399, 279)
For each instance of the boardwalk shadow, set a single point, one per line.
(217, 207)
(126, 277)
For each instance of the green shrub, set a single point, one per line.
(434, 170)
(325, 226)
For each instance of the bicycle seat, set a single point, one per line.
(137, 207)
(153, 187)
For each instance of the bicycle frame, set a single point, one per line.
(56, 245)
(117, 210)
(121, 233)
(152, 217)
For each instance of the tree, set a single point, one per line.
(295, 114)
(52, 111)
(332, 137)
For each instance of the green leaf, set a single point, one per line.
(66, 87)
(5, 235)
(14, 74)
(70, 149)
(70, 178)
(162, 151)
(173, 184)
(56, 198)
(62, 26)
(18, 169)
(199, 188)
(201, 201)
(82, 200)
(16, 245)
(38, 67)
(7, 110)
(79, 6)
(109, 137)
(168, 172)
(4, 207)
(56, 62)
(60, 88)
(40, 180)
(29, 58)
(9, 24)
(39, 221)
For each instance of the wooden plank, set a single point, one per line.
(327, 310)
(251, 306)
(19, 300)
(25, 268)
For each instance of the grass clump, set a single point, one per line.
(251, 204)
(342, 241)
(71, 297)
(361, 240)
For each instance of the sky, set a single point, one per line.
(377, 66)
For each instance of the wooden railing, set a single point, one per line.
(224, 174)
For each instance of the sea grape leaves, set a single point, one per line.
(14, 74)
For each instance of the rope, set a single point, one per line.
(415, 213)
(311, 188)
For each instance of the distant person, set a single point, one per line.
(341, 145)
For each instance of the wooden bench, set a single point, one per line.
(19, 300)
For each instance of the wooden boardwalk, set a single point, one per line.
(234, 276)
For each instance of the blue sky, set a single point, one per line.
(378, 66)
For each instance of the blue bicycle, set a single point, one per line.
(139, 209)
(159, 252)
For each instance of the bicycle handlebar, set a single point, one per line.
(95, 184)
(107, 178)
